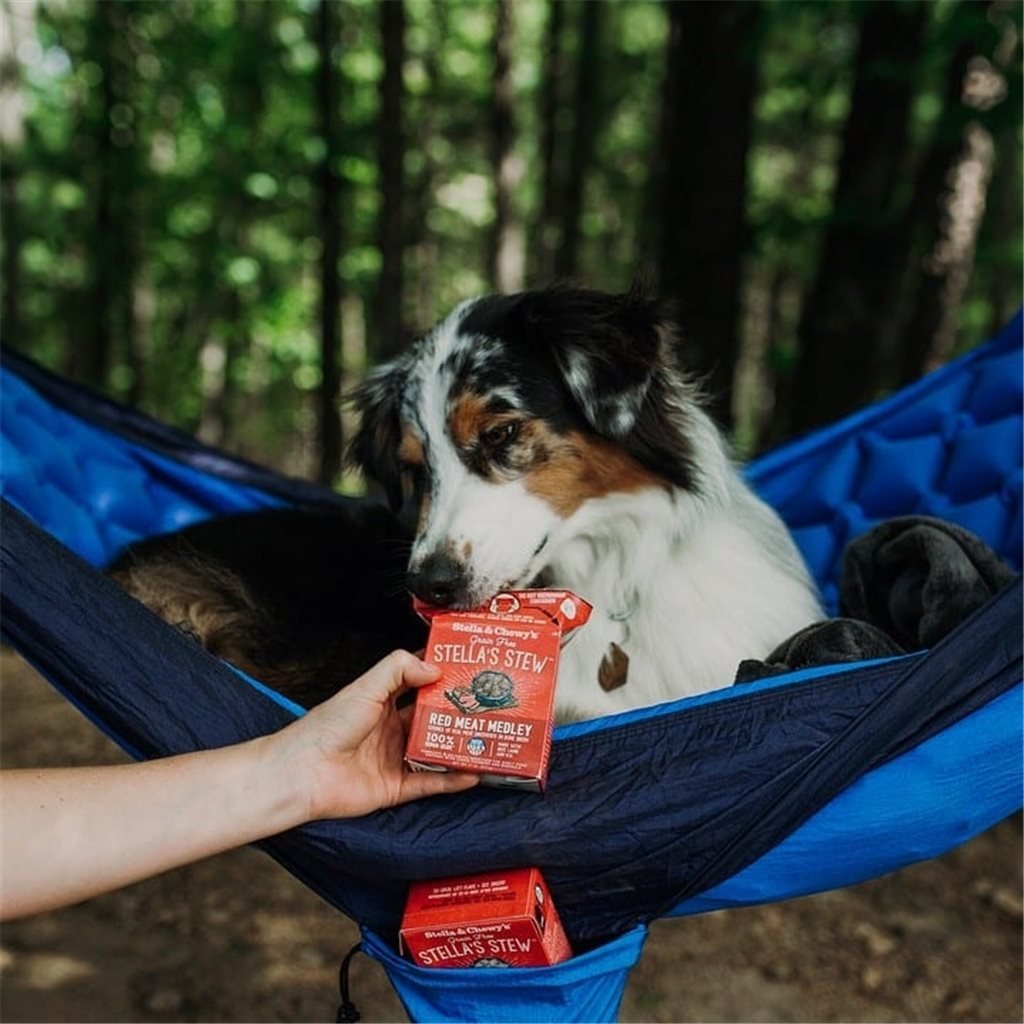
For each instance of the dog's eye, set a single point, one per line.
(501, 434)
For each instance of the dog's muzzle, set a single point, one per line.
(439, 580)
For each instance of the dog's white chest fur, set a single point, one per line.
(684, 601)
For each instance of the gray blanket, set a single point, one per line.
(905, 584)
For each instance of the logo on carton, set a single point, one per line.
(489, 691)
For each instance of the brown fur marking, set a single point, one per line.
(204, 601)
(411, 454)
(580, 466)
(410, 449)
(467, 417)
(562, 469)
(614, 668)
(212, 606)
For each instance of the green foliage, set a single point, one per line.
(196, 123)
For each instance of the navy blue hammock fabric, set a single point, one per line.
(795, 784)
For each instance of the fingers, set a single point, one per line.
(420, 784)
(390, 676)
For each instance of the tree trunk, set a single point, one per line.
(226, 317)
(508, 248)
(1003, 226)
(143, 309)
(701, 185)
(328, 419)
(109, 129)
(15, 23)
(10, 260)
(552, 98)
(783, 292)
(424, 126)
(853, 296)
(90, 361)
(1003, 229)
(389, 336)
(582, 142)
(928, 250)
(220, 348)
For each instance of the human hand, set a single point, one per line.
(68, 828)
(346, 754)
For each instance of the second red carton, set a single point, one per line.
(492, 711)
(497, 919)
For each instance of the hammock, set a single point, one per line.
(795, 784)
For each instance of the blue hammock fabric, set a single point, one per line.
(791, 785)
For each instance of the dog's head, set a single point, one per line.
(511, 414)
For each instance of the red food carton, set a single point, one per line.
(492, 711)
(498, 919)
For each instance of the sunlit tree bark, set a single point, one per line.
(932, 253)
(1003, 226)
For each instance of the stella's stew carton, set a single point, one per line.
(498, 919)
(492, 711)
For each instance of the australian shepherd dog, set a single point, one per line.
(548, 438)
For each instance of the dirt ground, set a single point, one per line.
(236, 938)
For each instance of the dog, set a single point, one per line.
(551, 438)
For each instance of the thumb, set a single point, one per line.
(420, 784)
(399, 671)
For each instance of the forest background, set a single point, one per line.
(223, 211)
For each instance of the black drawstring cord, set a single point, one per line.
(347, 1012)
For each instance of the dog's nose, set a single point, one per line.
(438, 581)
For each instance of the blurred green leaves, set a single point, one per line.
(195, 122)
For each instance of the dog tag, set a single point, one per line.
(614, 668)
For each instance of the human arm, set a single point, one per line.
(72, 833)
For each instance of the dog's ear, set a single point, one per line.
(606, 347)
(374, 447)
(618, 357)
